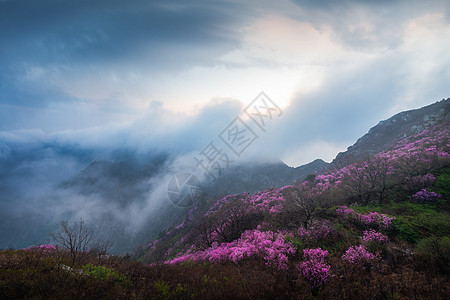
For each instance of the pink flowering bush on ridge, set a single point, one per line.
(316, 233)
(45, 248)
(419, 182)
(313, 268)
(359, 256)
(374, 236)
(268, 245)
(375, 219)
(375, 241)
(266, 201)
(425, 196)
(345, 212)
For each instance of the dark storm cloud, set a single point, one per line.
(59, 31)
(56, 38)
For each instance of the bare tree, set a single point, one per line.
(226, 224)
(234, 220)
(201, 234)
(100, 249)
(75, 237)
(303, 201)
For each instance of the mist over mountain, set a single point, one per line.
(122, 191)
(255, 177)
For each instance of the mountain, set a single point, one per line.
(255, 177)
(357, 173)
(382, 136)
(124, 176)
(377, 221)
(124, 193)
(255, 234)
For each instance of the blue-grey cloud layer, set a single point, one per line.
(365, 24)
(79, 38)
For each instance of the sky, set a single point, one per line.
(173, 74)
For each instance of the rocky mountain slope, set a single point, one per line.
(382, 136)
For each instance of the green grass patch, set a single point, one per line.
(103, 273)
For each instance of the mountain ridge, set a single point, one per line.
(406, 123)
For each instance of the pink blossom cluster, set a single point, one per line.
(425, 196)
(153, 244)
(429, 139)
(276, 209)
(375, 218)
(359, 256)
(406, 158)
(374, 236)
(424, 180)
(414, 183)
(268, 200)
(371, 218)
(180, 226)
(271, 246)
(45, 248)
(313, 268)
(345, 212)
(225, 200)
(314, 233)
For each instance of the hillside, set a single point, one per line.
(384, 135)
(107, 186)
(374, 224)
(400, 200)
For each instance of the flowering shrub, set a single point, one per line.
(267, 201)
(276, 209)
(376, 219)
(420, 182)
(425, 196)
(45, 248)
(374, 236)
(271, 246)
(375, 241)
(370, 219)
(315, 254)
(314, 233)
(313, 268)
(359, 256)
(402, 163)
(345, 212)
